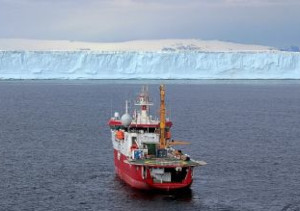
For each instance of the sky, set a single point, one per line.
(267, 22)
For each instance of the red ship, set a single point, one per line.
(143, 153)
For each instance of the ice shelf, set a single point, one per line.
(88, 64)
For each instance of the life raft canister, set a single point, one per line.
(120, 135)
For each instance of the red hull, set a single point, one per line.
(134, 176)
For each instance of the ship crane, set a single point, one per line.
(162, 142)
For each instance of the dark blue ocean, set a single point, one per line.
(56, 151)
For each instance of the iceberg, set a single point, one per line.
(86, 64)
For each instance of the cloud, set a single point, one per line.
(218, 2)
(271, 22)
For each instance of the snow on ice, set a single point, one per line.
(193, 63)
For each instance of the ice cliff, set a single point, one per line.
(149, 65)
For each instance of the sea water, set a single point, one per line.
(56, 151)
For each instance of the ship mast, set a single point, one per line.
(144, 102)
(162, 142)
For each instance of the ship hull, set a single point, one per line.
(139, 177)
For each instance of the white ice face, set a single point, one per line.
(149, 65)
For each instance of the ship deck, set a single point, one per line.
(165, 162)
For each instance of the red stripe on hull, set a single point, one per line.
(133, 175)
(114, 123)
